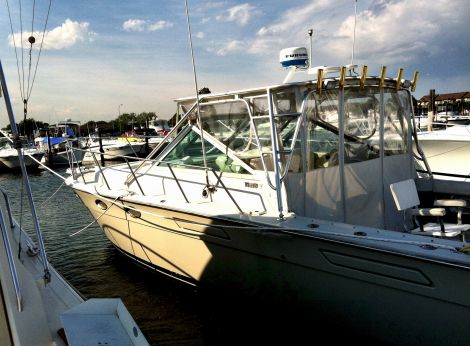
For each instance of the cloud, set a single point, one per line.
(144, 25)
(134, 25)
(61, 37)
(241, 14)
(229, 47)
(200, 35)
(403, 30)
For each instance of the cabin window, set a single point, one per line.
(361, 125)
(188, 154)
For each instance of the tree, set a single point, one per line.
(28, 127)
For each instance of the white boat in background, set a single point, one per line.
(447, 152)
(9, 155)
(453, 118)
(65, 145)
(298, 194)
(113, 149)
(37, 305)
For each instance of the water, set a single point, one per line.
(167, 311)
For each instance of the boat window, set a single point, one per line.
(188, 153)
(396, 105)
(322, 130)
(361, 125)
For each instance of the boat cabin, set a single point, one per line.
(326, 149)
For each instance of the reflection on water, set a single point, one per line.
(167, 311)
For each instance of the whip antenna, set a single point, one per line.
(354, 32)
(198, 113)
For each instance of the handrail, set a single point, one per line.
(11, 261)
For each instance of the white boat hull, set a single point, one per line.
(112, 152)
(325, 279)
(12, 162)
(449, 156)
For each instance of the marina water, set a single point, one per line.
(167, 311)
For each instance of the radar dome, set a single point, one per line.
(293, 56)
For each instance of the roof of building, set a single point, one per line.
(447, 97)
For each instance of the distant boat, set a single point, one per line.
(65, 145)
(113, 149)
(453, 118)
(9, 155)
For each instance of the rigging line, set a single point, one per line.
(40, 47)
(21, 41)
(31, 42)
(16, 53)
(47, 200)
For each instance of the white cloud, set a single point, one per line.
(200, 35)
(403, 31)
(64, 36)
(229, 47)
(161, 24)
(143, 25)
(241, 14)
(134, 25)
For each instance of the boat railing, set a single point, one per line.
(169, 165)
(8, 250)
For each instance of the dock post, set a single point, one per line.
(100, 141)
(50, 159)
(431, 107)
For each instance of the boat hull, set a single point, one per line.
(397, 298)
(114, 153)
(13, 163)
(448, 157)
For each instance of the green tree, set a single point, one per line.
(28, 127)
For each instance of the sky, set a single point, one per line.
(103, 58)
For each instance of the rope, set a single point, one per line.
(95, 220)
(43, 203)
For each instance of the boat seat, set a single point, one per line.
(406, 199)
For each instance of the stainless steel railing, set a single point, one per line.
(6, 241)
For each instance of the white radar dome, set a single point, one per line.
(293, 56)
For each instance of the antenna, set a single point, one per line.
(197, 92)
(310, 33)
(354, 32)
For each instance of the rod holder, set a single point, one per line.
(414, 81)
(400, 74)
(319, 81)
(362, 82)
(342, 76)
(383, 71)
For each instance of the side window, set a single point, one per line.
(188, 153)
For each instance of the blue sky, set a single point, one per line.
(100, 54)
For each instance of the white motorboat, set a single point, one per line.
(9, 155)
(38, 306)
(293, 194)
(447, 151)
(63, 145)
(113, 149)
